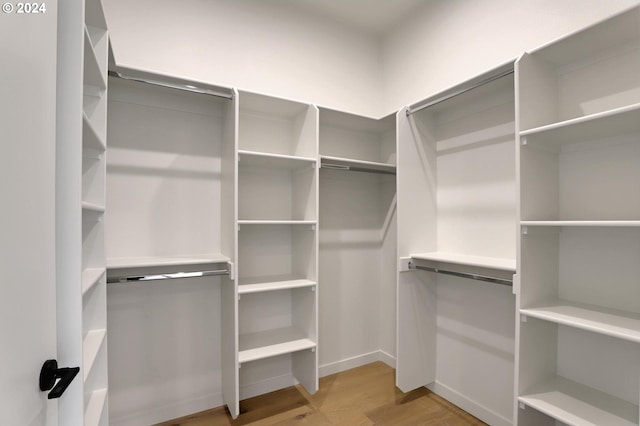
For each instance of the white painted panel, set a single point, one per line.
(27, 219)
(163, 172)
(616, 360)
(599, 266)
(475, 342)
(589, 173)
(164, 349)
(416, 330)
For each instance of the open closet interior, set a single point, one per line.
(579, 151)
(484, 241)
(357, 239)
(457, 245)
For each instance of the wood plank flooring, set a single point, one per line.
(363, 396)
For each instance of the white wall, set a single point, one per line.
(448, 41)
(269, 48)
(253, 45)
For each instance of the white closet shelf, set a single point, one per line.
(92, 207)
(90, 348)
(610, 322)
(576, 404)
(151, 261)
(266, 344)
(277, 222)
(502, 264)
(95, 407)
(581, 223)
(93, 75)
(610, 123)
(279, 161)
(262, 284)
(358, 164)
(90, 137)
(91, 277)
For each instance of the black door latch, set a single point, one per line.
(50, 373)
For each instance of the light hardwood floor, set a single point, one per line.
(363, 396)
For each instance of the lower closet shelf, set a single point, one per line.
(265, 344)
(95, 407)
(576, 404)
(90, 348)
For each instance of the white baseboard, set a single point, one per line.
(470, 406)
(184, 408)
(388, 359)
(169, 411)
(356, 361)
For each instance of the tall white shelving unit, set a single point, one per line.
(80, 206)
(94, 145)
(270, 319)
(457, 215)
(579, 293)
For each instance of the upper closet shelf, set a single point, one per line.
(146, 262)
(501, 264)
(581, 223)
(279, 161)
(340, 163)
(610, 123)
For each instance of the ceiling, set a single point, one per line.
(376, 16)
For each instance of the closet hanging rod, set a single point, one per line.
(459, 92)
(355, 169)
(476, 277)
(179, 86)
(171, 276)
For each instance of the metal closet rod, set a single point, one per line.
(459, 92)
(179, 86)
(477, 277)
(172, 276)
(354, 169)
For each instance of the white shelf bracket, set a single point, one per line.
(313, 289)
(523, 141)
(313, 227)
(232, 271)
(522, 405)
(525, 230)
(523, 318)
(404, 264)
(313, 350)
